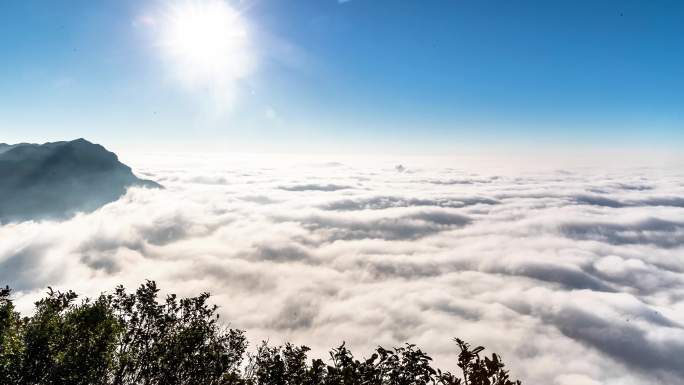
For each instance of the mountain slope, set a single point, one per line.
(56, 180)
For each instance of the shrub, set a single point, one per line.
(134, 339)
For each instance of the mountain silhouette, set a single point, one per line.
(56, 180)
(6, 147)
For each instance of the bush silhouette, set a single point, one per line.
(134, 339)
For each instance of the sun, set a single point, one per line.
(206, 42)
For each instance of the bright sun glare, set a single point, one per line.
(207, 43)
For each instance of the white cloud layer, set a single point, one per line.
(575, 277)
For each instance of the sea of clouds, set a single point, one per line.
(575, 276)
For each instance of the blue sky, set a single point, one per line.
(361, 75)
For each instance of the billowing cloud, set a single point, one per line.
(314, 187)
(575, 277)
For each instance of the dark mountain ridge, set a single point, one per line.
(56, 180)
(6, 147)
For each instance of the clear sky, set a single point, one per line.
(359, 75)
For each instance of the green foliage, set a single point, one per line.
(176, 342)
(11, 342)
(136, 339)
